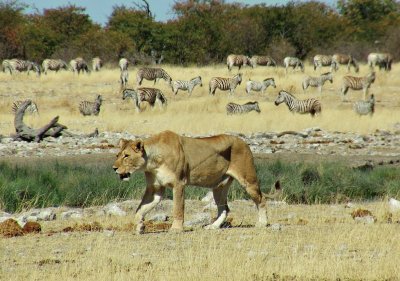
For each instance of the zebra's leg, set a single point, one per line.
(344, 92)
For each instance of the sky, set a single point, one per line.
(100, 10)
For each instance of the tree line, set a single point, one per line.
(202, 32)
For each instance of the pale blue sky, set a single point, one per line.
(100, 10)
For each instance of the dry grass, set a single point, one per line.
(60, 94)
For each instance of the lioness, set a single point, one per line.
(170, 160)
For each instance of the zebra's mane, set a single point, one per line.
(251, 102)
(197, 77)
(270, 78)
(289, 94)
(326, 73)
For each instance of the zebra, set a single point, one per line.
(262, 60)
(123, 64)
(323, 60)
(91, 108)
(14, 65)
(234, 108)
(357, 83)
(346, 60)
(186, 85)
(54, 65)
(97, 63)
(317, 81)
(237, 60)
(312, 106)
(293, 62)
(32, 108)
(383, 60)
(259, 86)
(149, 73)
(150, 95)
(123, 78)
(78, 65)
(365, 107)
(224, 84)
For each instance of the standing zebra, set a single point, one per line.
(224, 84)
(262, 60)
(97, 64)
(91, 108)
(186, 85)
(383, 60)
(322, 60)
(123, 64)
(150, 74)
(259, 86)
(54, 65)
(237, 60)
(32, 108)
(234, 108)
(293, 62)
(317, 81)
(15, 65)
(78, 65)
(123, 78)
(345, 60)
(357, 83)
(365, 107)
(311, 106)
(150, 95)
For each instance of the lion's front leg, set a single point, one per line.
(179, 207)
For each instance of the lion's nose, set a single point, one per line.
(115, 168)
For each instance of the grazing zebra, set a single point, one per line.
(234, 108)
(32, 108)
(78, 65)
(224, 84)
(322, 60)
(54, 65)
(14, 65)
(186, 85)
(259, 86)
(123, 64)
(365, 107)
(345, 60)
(357, 83)
(317, 81)
(97, 64)
(237, 60)
(91, 108)
(293, 62)
(311, 106)
(262, 60)
(149, 73)
(383, 60)
(123, 78)
(150, 95)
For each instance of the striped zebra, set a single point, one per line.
(383, 60)
(357, 83)
(312, 106)
(17, 65)
(346, 60)
(91, 108)
(97, 64)
(323, 60)
(78, 65)
(149, 95)
(150, 74)
(31, 109)
(186, 85)
(54, 65)
(234, 108)
(237, 60)
(123, 64)
(224, 84)
(262, 60)
(365, 107)
(259, 86)
(294, 63)
(310, 81)
(123, 78)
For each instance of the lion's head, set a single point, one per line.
(130, 158)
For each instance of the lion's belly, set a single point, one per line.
(208, 173)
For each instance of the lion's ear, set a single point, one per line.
(138, 145)
(122, 143)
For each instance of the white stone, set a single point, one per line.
(394, 204)
(114, 210)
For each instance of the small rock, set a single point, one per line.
(366, 219)
(159, 217)
(114, 210)
(108, 233)
(276, 227)
(199, 220)
(72, 214)
(394, 204)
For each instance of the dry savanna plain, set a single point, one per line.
(311, 242)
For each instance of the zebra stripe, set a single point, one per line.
(357, 83)
(312, 106)
(78, 65)
(149, 95)
(383, 60)
(345, 60)
(259, 86)
(54, 65)
(152, 74)
(224, 84)
(16, 65)
(262, 60)
(31, 109)
(237, 60)
(234, 108)
(293, 62)
(365, 107)
(91, 108)
(123, 64)
(310, 81)
(323, 60)
(97, 63)
(186, 85)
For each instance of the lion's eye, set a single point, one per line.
(126, 155)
